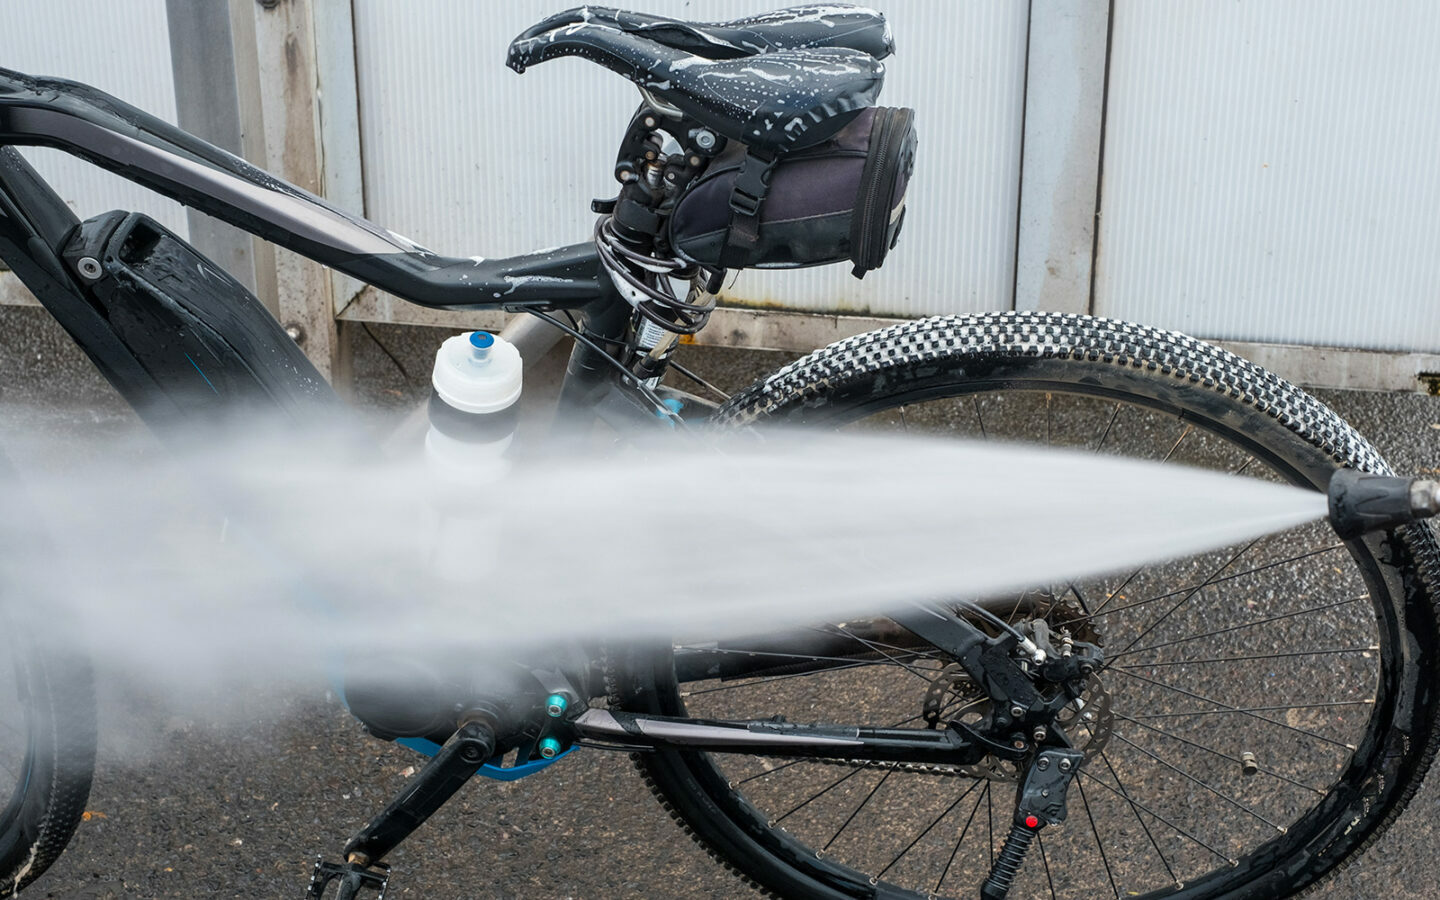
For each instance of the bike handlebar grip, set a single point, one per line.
(1361, 503)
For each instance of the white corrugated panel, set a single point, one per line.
(120, 48)
(1271, 171)
(466, 157)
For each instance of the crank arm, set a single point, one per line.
(910, 745)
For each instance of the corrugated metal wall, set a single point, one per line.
(467, 157)
(122, 48)
(1269, 168)
(1270, 171)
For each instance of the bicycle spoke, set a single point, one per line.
(1138, 818)
(989, 824)
(759, 680)
(740, 651)
(1176, 446)
(856, 770)
(975, 402)
(1235, 759)
(1115, 593)
(874, 644)
(768, 679)
(1150, 812)
(1253, 709)
(1261, 568)
(904, 424)
(1256, 716)
(1040, 844)
(1190, 777)
(928, 829)
(1109, 663)
(743, 652)
(1014, 610)
(1114, 414)
(888, 772)
(1099, 845)
(913, 671)
(1048, 418)
(1266, 657)
(780, 768)
(1131, 577)
(960, 841)
(1186, 599)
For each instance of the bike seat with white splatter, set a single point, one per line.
(777, 82)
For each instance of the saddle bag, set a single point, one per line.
(840, 199)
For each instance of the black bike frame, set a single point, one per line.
(35, 224)
(99, 128)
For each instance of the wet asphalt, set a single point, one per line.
(184, 806)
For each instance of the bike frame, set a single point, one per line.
(35, 224)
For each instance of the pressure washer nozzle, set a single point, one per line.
(1360, 503)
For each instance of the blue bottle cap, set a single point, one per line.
(482, 340)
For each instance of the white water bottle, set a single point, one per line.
(473, 409)
(473, 412)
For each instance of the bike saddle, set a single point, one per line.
(796, 28)
(772, 102)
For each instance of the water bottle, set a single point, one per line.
(473, 412)
(473, 409)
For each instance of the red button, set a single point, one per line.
(1032, 822)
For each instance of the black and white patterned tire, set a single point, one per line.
(49, 783)
(1240, 404)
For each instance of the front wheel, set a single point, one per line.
(1265, 711)
(47, 749)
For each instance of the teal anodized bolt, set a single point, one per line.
(555, 705)
(549, 748)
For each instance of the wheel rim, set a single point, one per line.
(1268, 623)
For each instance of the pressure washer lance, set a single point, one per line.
(1361, 503)
(473, 413)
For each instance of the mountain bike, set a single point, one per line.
(1235, 724)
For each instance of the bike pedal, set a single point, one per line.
(351, 877)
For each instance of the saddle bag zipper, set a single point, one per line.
(877, 183)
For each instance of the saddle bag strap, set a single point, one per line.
(752, 183)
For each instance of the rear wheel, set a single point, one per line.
(1265, 712)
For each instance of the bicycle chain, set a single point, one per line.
(909, 768)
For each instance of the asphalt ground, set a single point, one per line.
(185, 805)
